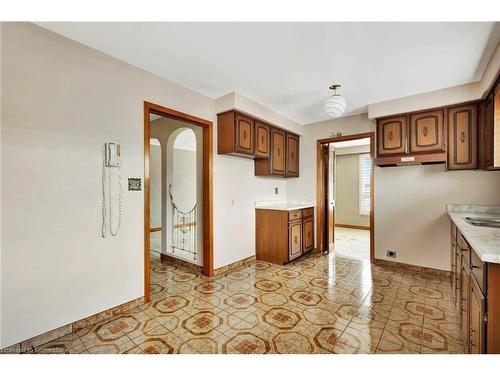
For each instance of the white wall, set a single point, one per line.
(155, 185)
(60, 102)
(184, 181)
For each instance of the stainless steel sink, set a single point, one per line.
(491, 222)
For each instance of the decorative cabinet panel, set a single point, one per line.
(235, 134)
(426, 131)
(392, 136)
(292, 155)
(244, 143)
(477, 340)
(262, 140)
(278, 162)
(462, 137)
(308, 228)
(282, 236)
(295, 240)
(477, 298)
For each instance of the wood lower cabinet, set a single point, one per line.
(392, 135)
(292, 155)
(477, 298)
(295, 239)
(462, 137)
(282, 236)
(426, 131)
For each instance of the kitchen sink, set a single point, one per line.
(492, 222)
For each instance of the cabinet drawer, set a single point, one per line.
(308, 212)
(478, 270)
(294, 215)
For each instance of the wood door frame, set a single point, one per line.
(208, 261)
(320, 222)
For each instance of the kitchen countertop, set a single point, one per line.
(283, 205)
(485, 241)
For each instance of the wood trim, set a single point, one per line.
(411, 267)
(352, 226)
(207, 126)
(320, 227)
(155, 229)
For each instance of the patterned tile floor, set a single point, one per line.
(317, 304)
(352, 243)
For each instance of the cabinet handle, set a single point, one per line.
(262, 139)
(244, 134)
(293, 155)
(295, 239)
(390, 136)
(278, 151)
(425, 131)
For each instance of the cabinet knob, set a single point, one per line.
(425, 131)
(244, 134)
(390, 136)
(278, 151)
(462, 137)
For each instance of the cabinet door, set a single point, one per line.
(244, 142)
(294, 239)
(308, 234)
(426, 131)
(453, 264)
(465, 289)
(277, 152)
(261, 140)
(391, 135)
(458, 282)
(477, 321)
(292, 155)
(462, 137)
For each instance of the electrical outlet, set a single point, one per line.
(275, 190)
(391, 253)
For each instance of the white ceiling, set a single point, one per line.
(289, 66)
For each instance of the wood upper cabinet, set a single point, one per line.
(489, 129)
(262, 139)
(462, 137)
(392, 135)
(477, 322)
(235, 134)
(426, 131)
(244, 142)
(295, 239)
(292, 155)
(278, 162)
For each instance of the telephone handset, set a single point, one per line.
(111, 164)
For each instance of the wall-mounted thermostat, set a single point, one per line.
(134, 184)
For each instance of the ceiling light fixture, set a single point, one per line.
(335, 104)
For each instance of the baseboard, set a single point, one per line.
(27, 346)
(433, 271)
(234, 266)
(352, 226)
(179, 262)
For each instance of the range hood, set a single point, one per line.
(417, 159)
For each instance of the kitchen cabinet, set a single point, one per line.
(476, 297)
(391, 135)
(275, 151)
(453, 258)
(292, 155)
(235, 134)
(462, 137)
(283, 235)
(426, 131)
(262, 139)
(489, 129)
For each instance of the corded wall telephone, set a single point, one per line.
(111, 166)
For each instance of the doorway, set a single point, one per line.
(345, 191)
(188, 202)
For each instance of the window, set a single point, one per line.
(365, 165)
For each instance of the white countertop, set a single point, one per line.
(283, 205)
(484, 241)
